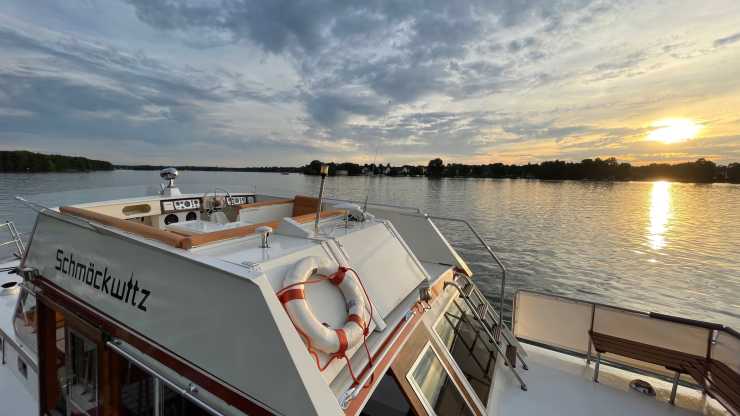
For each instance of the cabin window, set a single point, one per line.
(435, 387)
(468, 347)
(81, 375)
(138, 389)
(387, 400)
(173, 404)
(142, 394)
(24, 321)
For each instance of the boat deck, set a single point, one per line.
(15, 399)
(560, 384)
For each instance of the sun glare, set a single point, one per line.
(660, 214)
(674, 130)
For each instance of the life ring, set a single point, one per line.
(323, 338)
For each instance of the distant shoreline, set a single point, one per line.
(22, 161)
(700, 171)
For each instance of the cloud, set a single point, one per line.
(727, 40)
(73, 89)
(383, 50)
(476, 78)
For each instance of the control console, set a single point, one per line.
(239, 199)
(181, 205)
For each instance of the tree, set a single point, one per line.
(733, 172)
(435, 168)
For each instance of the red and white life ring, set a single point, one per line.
(329, 340)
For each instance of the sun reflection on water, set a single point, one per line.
(660, 214)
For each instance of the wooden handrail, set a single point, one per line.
(180, 239)
(143, 230)
(266, 203)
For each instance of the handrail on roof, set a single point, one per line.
(488, 249)
(15, 238)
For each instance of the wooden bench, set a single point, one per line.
(718, 380)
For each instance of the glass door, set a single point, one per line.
(81, 375)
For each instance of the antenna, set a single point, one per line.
(377, 149)
(324, 171)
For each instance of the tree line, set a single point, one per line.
(280, 169)
(24, 161)
(701, 170)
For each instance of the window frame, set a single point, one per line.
(417, 389)
(443, 345)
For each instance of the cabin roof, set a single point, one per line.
(216, 306)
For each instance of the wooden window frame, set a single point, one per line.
(54, 299)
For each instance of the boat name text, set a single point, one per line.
(129, 292)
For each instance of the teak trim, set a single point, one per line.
(360, 401)
(265, 203)
(167, 237)
(181, 239)
(303, 205)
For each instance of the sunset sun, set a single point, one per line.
(674, 130)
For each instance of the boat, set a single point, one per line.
(245, 303)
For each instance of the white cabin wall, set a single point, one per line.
(11, 362)
(218, 321)
(265, 213)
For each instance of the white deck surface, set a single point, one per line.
(15, 400)
(561, 385)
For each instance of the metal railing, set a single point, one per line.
(485, 310)
(189, 393)
(491, 339)
(488, 249)
(15, 238)
(563, 324)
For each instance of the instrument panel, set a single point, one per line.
(181, 205)
(239, 199)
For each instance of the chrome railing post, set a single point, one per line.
(490, 251)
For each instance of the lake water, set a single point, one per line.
(663, 247)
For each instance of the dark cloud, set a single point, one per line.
(727, 40)
(398, 51)
(71, 89)
(331, 109)
(357, 74)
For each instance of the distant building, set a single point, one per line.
(342, 172)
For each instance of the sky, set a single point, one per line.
(258, 83)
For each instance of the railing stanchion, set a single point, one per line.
(590, 343)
